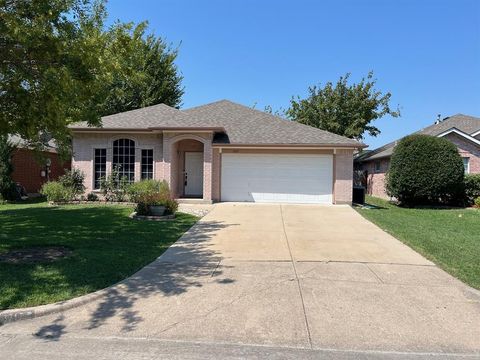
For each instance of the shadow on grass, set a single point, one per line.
(107, 247)
(368, 206)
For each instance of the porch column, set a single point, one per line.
(207, 170)
(167, 160)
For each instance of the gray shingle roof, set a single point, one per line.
(248, 126)
(465, 123)
(156, 116)
(241, 125)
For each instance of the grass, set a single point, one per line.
(107, 247)
(448, 237)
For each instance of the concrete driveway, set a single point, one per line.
(298, 280)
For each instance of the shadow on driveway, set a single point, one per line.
(165, 276)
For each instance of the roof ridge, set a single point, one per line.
(207, 104)
(143, 109)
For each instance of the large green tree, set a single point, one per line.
(343, 109)
(50, 69)
(59, 65)
(144, 71)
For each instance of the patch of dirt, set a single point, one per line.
(35, 255)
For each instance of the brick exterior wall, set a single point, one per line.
(216, 174)
(84, 144)
(343, 185)
(169, 151)
(28, 166)
(376, 179)
(467, 149)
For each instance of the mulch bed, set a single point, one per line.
(35, 255)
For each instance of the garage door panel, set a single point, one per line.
(277, 178)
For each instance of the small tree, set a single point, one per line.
(425, 170)
(7, 186)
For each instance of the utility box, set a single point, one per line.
(358, 195)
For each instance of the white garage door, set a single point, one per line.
(277, 178)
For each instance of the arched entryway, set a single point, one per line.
(187, 168)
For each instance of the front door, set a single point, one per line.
(194, 174)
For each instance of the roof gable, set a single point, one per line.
(234, 124)
(467, 126)
(248, 126)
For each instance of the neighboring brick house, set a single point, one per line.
(32, 170)
(462, 130)
(219, 152)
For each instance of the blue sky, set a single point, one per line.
(425, 52)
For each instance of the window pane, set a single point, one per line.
(124, 158)
(100, 166)
(466, 163)
(147, 164)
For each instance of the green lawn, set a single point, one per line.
(448, 237)
(107, 247)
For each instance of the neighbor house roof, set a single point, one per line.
(463, 125)
(234, 124)
(18, 142)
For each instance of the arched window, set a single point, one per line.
(124, 158)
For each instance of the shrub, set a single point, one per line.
(425, 170)
(7, 186)
(56, 192)
(477, 202)
(73, 179)
(472, 187)
(92, 197)
(114, 187)
(148, 193)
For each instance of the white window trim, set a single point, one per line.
(461, 133)
(135, 141)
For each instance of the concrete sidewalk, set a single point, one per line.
(288, 276)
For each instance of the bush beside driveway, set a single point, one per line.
(447, 236)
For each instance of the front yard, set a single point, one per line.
(103, 247)
(448, 237)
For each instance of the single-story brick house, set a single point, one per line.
(462, 130)
(32, 170)
(221, 151)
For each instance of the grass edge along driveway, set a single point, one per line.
(107, 246)
(448, 237)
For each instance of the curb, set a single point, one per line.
(12, 315)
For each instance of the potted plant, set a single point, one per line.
(153, 198)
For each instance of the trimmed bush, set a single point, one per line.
(56, 192)
(92, 197)
(73, 179)
(472, 187)
(426, 170)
